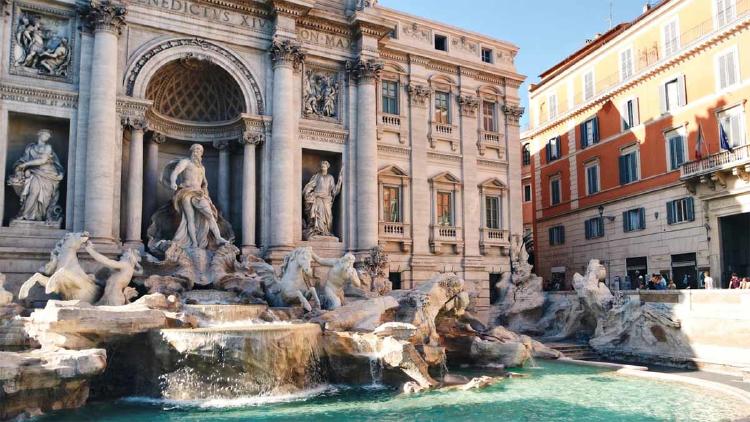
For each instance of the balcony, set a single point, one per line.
(395, 232)
(491, 140)
(391, 123)
(441, 236)
(489, 238)
(722, 161)
(443, 132)
(390, 120)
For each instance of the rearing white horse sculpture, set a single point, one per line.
(292, 288)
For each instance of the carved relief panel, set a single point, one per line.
(42, 42)
(320, 94)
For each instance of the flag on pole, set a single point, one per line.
(724, 139)
(699, 144)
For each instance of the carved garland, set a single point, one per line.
(200, 43)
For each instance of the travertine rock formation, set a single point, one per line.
(46, 380)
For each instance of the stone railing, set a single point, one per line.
(446, 235)
(443, 129)
(390, 120)
(395, 232)
(489, 238)
(492, 137)
(715, 162)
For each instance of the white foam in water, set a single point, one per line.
(238, 401)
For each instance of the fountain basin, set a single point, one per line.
(224, 362)
(213, 314)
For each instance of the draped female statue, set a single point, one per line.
(318, 195)
(36, 181)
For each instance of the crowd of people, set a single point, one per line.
(660, 282)
(739, 283)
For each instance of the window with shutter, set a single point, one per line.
(676, 148)
(671, 93)
(732, 121)
(592, 178)
(629, 165)
(626, 64)
(588, 85)
(634, 219)
(630, 114)
(671, 38)
(726, 69)
(725, 12)
(680, 210)
(555, 194)
(670, 212)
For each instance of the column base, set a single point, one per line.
(275, 254)
(134, 244)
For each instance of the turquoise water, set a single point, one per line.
(556, 392)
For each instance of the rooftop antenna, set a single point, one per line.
(611, 18)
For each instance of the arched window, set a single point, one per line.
(526, 155)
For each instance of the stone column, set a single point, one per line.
(366, 72)
(287, 57)
(106, 19)
(512, 128)
(223, 192)
(151, 182)
(249, 141)
(419, 96)
(134, 207)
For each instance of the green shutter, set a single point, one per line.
(670, 212)
(596, 130)
(690, 209)
(642, 218)
(625, 222)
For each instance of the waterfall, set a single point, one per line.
(376, 371)
(229, 362)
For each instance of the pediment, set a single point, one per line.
(392, 170)
(445, 177)
(493, 183)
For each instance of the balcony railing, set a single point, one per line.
(715, 162)
(492, 137)
(394, 230)
(390, 120)
(446, 233)
(443, 129)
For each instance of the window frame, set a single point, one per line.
(677, 45)
(631, 69)
(716, 11)
(491, 52)
(451, 204)
(734, 51)
(492, 116)
(586, 166)
(740, 111)
(396, 99)
(626, 227)
(687, 208)
(559, 237)
(557, 151)
(629, 124)
(552, 106)
(587, 228)
(585, 131)
(399, 202)
(631, 149)
(555, 179)
(526, 154)
(682, 133)
(435, 43)
(523, 193)
(593, 84)
(438, 94)
(498, 211)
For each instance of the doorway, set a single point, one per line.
(735, 247)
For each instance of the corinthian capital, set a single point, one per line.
(513, 113)
(250, 137)
(286, 53)
(364, 70)
(134, 122)
(104, 15)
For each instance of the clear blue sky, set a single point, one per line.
(545, 30)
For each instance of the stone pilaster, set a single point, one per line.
(366, 72)
(249, 141)
(106, 20)
(287, 57)
(134, 207)
(152, 176)
(468, 105)
(223, 192)
(419, 96)
(513, 115)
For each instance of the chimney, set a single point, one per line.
(646, 7)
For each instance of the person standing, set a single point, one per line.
(708, 281)
(734, 282)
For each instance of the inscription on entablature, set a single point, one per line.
(209, 13)
(321, 38)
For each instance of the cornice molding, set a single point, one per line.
(46, 97)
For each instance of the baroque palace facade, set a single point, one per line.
(637, 152)
(412, 117)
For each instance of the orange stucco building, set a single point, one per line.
(637, 149)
